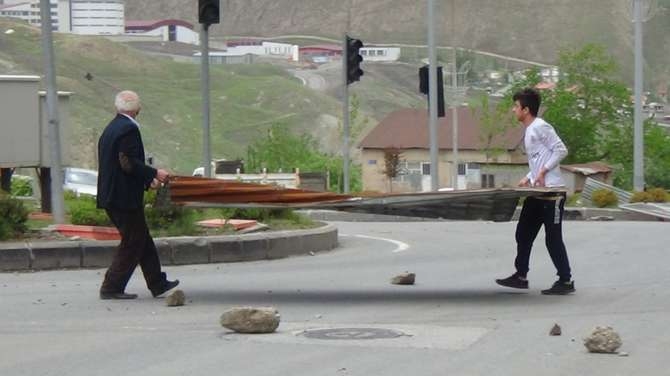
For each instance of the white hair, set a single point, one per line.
(127, 101)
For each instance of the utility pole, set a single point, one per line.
(57, 203)
(638, 132)
(455, 98)
(432, 97)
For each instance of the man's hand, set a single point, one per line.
(155, 184)
(525, 182)
(162, 175)
(539, 181)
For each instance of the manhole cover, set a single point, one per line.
(352, 333)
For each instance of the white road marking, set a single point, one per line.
(400, 246)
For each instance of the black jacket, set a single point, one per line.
(123, 175)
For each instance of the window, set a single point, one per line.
(488, 181)
(425, 168)
(461, 168)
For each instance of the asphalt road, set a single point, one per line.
(454, 321)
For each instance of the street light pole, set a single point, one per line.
(57, 203)
(638, 132)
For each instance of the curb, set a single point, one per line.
(570, 214)
(172, 251)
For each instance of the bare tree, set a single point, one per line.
(391, 164)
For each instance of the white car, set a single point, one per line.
(81, 181)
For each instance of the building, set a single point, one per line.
(575, 175)
(90, 17)
(169, 30)
(407, 131)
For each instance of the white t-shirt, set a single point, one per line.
(544, 149)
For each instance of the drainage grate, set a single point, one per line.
(352, 333)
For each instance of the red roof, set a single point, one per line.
(147, 25)
(408, 129)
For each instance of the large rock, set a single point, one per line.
(251, 320)
(603, 340)
(175, 298)
(405, 278)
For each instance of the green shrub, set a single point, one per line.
(168, 218)
(651, 195)
(13, 217)
(83, 211)
(640, 197)
(604, 197)
(658, 195)
(21, 186)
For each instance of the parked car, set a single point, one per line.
(81, 181)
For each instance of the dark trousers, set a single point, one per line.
(136, 247)
(535, 213)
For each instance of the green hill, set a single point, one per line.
(245, 99)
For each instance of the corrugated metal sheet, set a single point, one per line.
(496, 204)
(592, 185)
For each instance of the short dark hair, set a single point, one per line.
(529, 98)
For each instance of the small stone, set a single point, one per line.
(405, 278)
(318, 316)
(311, 253)
(603, 340)
(623, 353)
(555, 330)
(175, 298)
(251, 319)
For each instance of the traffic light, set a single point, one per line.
(354, 59)
(424, 87)
(208, 12)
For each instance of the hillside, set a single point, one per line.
(245, 100)
(530, 29)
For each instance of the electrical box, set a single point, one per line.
(24, 137)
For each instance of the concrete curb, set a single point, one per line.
(571, 214)
(173, 251)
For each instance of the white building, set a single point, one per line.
(380, 53)
(168, 30)
(97, 17)
(91, 17)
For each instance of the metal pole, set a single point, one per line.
(432, 97)
(204, 74)
(638, 133)
(345, 116)
(454, 108)
(52, 109)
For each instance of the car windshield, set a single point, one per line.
(85, 178)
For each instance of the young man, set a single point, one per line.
(545, 150)
(123, 177)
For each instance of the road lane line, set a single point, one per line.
(400, 246)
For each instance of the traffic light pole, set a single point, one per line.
(345, 115)
(204, 74)
(432, 98)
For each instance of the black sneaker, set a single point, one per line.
(560, 288)
(167, 285)
(513, 281)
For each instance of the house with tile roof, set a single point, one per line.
(407, 130)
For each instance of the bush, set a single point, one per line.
(604, 197)
(83, 211)
(658, 195)
(651, 195)
(168, 218)
(22, 186)
(13, 217)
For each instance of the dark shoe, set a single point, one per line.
(167, 285)
(560, 288)
(116, 295)
(513, 281)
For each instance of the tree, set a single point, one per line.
(494, 121)
(283, 150)
(391, 164)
